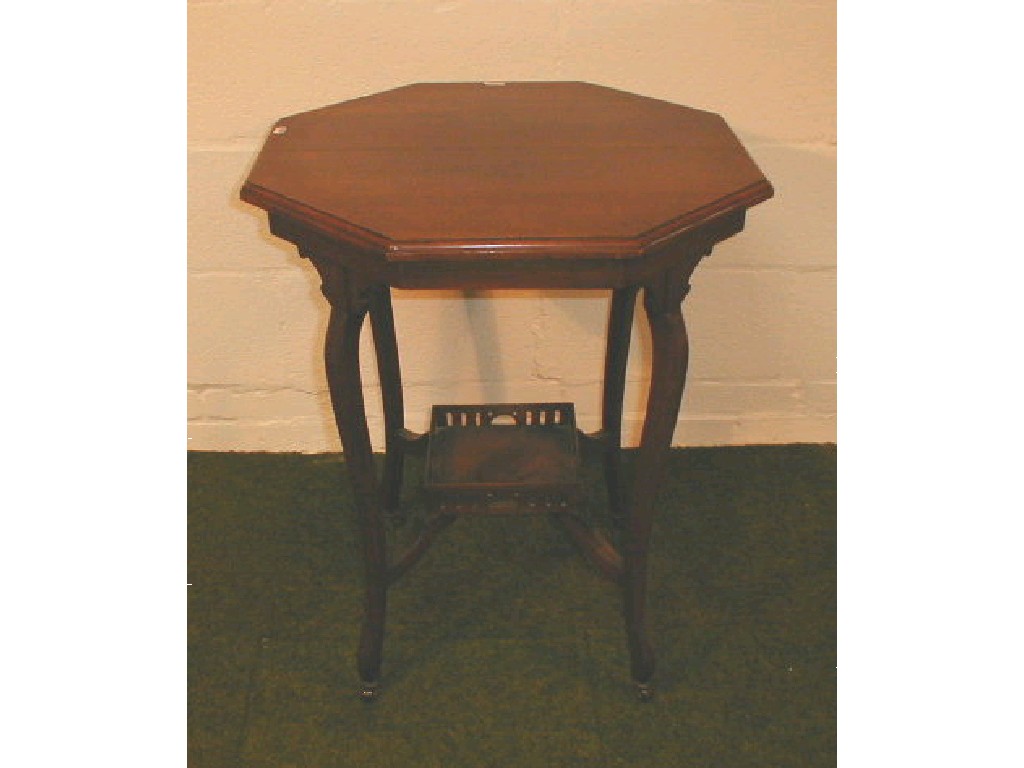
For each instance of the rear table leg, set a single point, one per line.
(620, 322)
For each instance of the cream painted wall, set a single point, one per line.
(762, 311)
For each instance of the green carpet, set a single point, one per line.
(503, 648)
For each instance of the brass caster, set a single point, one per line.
(368, 692)
(644, 692)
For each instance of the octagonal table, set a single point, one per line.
(505, 185)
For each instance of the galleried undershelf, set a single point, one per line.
(502, 457)
(505, 185)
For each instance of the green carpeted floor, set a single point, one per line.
(503, 647)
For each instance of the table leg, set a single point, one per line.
(382, 321)
(350, 303)
(670, 352)
(620, 323)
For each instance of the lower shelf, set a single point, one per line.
(502, 457)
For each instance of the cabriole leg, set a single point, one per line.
(620, 323)
(349, 306)
(670, 352)
(382, 321)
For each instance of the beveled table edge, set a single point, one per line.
(630, 247)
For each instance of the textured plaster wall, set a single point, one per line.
(761, 313)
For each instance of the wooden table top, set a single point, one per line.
(465, 171)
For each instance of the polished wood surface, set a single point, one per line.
(502, 457)
(518, 185)
(519, 170)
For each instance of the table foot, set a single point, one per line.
(368, 692)
(644, 692)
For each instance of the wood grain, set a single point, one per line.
(469, 171)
